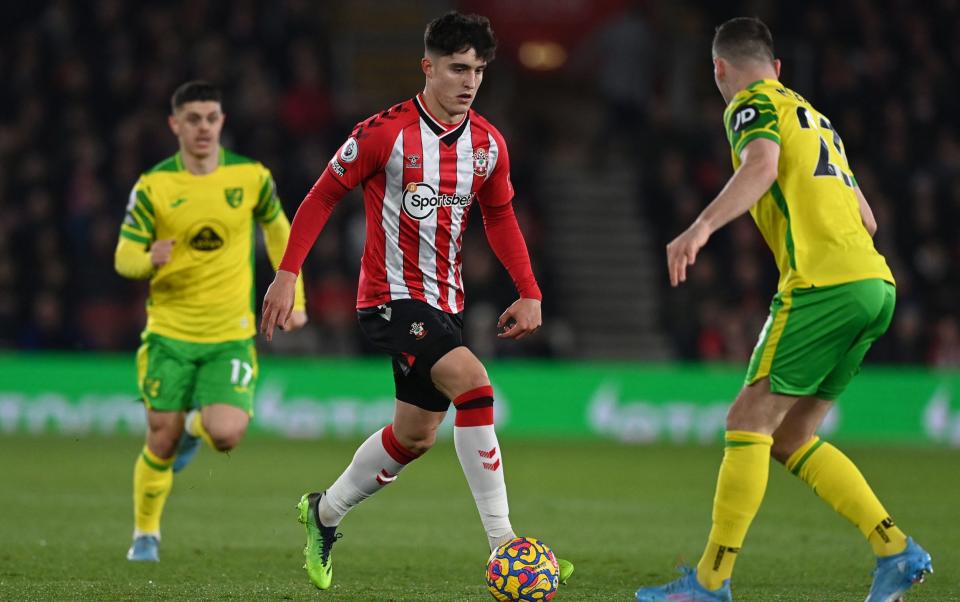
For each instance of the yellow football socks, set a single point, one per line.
(152, 481)
(194, 426)
(838, 482)
(740, 488)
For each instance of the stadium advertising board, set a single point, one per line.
(633, 403)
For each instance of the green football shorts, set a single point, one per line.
(815, 338)
(175, 375)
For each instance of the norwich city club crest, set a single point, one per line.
(151, 387)
(234, 196)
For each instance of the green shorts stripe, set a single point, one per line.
(770, 336)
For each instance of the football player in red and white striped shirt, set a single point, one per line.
(422, 164)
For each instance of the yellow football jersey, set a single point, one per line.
(810, 217)
(206, 291)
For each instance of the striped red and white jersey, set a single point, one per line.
(420, 177)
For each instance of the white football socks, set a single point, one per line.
(479, 453)
(376, 463)
(380, 458)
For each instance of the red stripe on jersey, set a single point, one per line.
(410, 228)
(481, 141)
(373, 268)
(448, 185)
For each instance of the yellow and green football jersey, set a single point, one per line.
(810, 217)
(206, 291)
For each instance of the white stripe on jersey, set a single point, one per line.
(493, 155)
(131, 203)
(464, 186)
(428, 226)
(392, 197)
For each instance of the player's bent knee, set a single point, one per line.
(466, 383)
(163, 446)
(478, 380)
(780, 451)
(420, 446)
(226, 439)
(757, 410)
(784, 446)
(470, 379)
(225, 424)
(459, 371)
(417, 442)
(163, 432)
(163, 442)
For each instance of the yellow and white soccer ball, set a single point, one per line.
(522, 570)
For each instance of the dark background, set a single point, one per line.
(591, 88)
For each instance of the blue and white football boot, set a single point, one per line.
(145, 548)
(685, 589)
(896, 574)
(186, 449)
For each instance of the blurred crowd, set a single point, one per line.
(885, 74)
(88, 87)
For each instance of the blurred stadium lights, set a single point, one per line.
(542, 56)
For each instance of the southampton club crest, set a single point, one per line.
(480, 162)
(417, 330)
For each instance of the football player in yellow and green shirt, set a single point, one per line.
(835, 298)
(190, 229)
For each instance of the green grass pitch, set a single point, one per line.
(624, 515)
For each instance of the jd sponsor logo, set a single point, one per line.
(744, 117)
(420, 200)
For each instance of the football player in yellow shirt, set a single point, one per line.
(190, 230)
(835, 298)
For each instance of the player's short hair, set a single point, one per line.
(743, 38)
(455, 32)
(193, 91)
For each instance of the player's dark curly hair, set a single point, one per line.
(743, 38)
(193, 91)
(455, 32)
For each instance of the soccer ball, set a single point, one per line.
(522, 570)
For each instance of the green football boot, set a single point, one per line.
(565, 569)
(320, 540)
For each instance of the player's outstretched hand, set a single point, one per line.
(161, 251)
(278, 303)
(520, 319)
(298, 319)
(682, 251)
